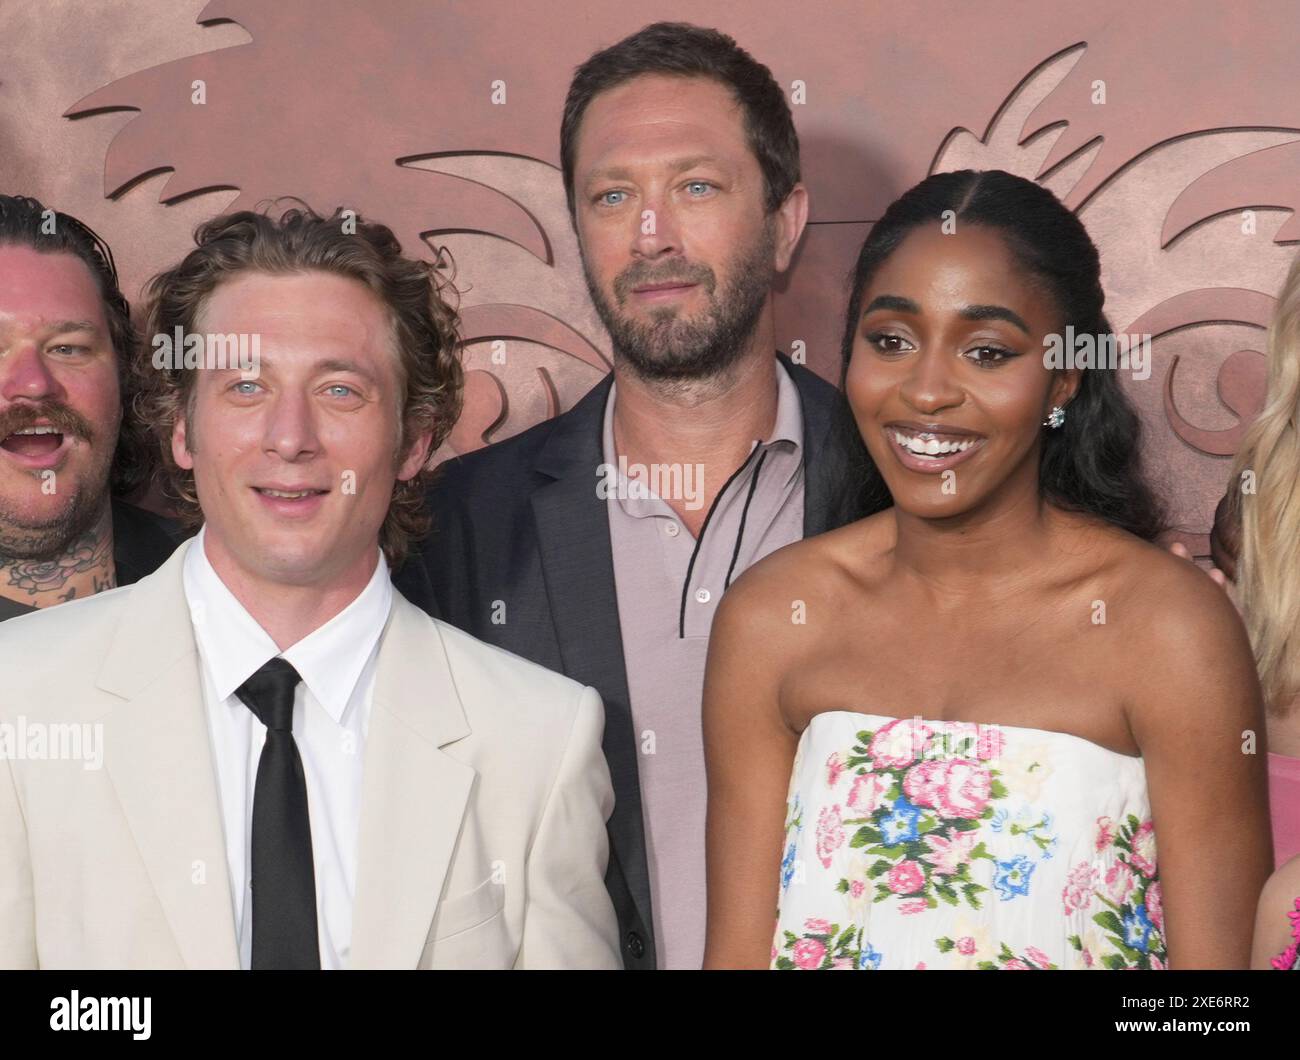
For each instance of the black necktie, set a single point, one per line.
(283, 881)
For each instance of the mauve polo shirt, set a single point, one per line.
(668, 585)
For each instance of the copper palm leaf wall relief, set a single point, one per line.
(1160, 124)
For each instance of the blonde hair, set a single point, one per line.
(1268, 565)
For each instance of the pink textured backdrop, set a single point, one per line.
(395, 109)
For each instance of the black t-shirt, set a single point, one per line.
(142, 541)
(12, 608)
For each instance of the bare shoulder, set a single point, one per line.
(1279, 904)
(1282, 889)
(827, 569)
(774, 615)
(1181, 653)
(1169, 602)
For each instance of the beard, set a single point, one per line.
(25, 537)
(669, 347)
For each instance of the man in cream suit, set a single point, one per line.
(262, 755)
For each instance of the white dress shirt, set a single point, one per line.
(331, 714)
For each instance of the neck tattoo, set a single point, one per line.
(84, 568)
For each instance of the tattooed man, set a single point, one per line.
(65, 339)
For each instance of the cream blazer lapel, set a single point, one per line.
(413, 796)
(158, 756)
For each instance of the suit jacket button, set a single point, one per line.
(634, 944)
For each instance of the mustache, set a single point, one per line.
(62, 418)
(642, 273)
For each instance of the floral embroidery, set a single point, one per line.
(1144, 850)
(1038, 832)
(830, 833)
(1078, 887)
(901, 824)
(1012, 877)
(824, 946)
(906, 878)
(912, 823)
(956, 789)
(948, 855)
(918, 815)
(869, 792)
(1132, 920)
(789, 860)
(1032, 959)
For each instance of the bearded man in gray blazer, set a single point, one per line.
(600, 542)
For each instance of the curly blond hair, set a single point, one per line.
(424, 323)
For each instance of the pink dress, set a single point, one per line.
(1284, 806)
(1289, 959)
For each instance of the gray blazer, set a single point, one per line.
(519, 524)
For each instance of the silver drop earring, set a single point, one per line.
(1055, 418)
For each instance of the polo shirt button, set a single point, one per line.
(672, 529)
(634, 944)
(702, 596)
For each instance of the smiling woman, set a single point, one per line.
(1007, 532)
(1092, 461)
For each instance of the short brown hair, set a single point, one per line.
(299, 240)
(679, 49)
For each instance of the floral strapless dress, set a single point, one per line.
(932, 844)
